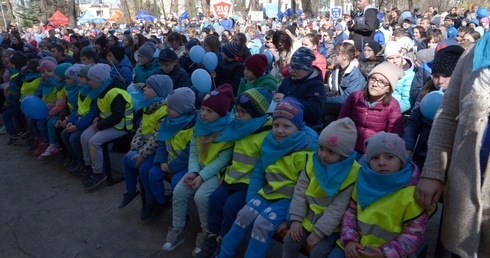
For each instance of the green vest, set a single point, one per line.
(316, 197)
(29, 88)
(149, 122)
(245, 154)
(83, 105)
(178, 143)
(282, 175)
(104, 105)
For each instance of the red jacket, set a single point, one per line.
(370, 120)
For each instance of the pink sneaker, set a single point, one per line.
(50, 151)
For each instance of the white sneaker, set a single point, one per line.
(51, 150)
(175, 237)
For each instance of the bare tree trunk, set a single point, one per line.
(125, 10)
(192, 9)
(72, 13)
(138, 5)
(164, 13)
(293, 9)
(175, 5)
(10, 12)
(254, 6)
(307, 8)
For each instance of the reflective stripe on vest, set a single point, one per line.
(178, 143)
(104, 105)
(282, 175)
(316, 197)
(149, 122)
(29, 88)
(83, 105)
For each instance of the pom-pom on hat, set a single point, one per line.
(60, 70)
(73, 71)
(291, 109)
(99, 73)
(256, 64)
(46, 65)
(303, 59)
(256, 101)
(384, 142)
(219, 100)
(390, 71)
(445, 60)
(230, 49)
(161, 84)
(181, 100)
(340, 136)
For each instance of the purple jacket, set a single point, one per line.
(370, 120)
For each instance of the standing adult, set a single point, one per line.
(364, 24)
(457, 157)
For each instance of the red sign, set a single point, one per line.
(221, 8)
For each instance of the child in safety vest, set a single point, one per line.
(382, 218)
(247, 130)
(139, 160)
(81, 117)
(115, 120)
(207, 157)
(172, 155)
(323, 191)
(284, 153)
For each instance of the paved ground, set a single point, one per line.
(45, 212)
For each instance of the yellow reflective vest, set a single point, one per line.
(149, 122)
(213, 151)
(104, 105)
(83, 105)
(178, 143)
(29, 88)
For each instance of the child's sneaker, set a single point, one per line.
(41, 148)
(37, 141)
(50, 151)
(95, 180)
(127, 199)
(209, 246)
(201, 236)
(174, 238)
(12, 140)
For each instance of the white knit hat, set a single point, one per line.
(392, 48)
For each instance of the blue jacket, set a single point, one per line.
(403, 86)
(179, 77)
(227, 23)
(141, 73)
(85, 121)
(310, 92)
(13, 95)
(351, 81)
(229, 72)
(123, 69)
(422, 76)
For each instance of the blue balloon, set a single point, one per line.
(430, 104)
(34, 107)
(197, 54)
(132, 89)
(210, 61)
(269, 56)
(201, 80)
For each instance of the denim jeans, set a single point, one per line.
(156, 182)
(8, 118)
(73, 145)
(52, 130)
(131, 174)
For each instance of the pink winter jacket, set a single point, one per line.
(370, 120)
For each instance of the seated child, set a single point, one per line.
(247, 130)
(121, 66)
(171, 67)
(172, 154)
(81, 117)
(284, 153)
(323, 191)
(207, 157)
(253, 75)
(382, 218)
(139, 159)
(115, 120)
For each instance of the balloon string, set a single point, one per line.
(214, 84)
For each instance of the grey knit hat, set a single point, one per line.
(147, 50)
(161, 84)
(73, 71)
(340, 136)
(99, 73)
(303, 59)
(84, 71)
(425, 55)
(181, 100)
(384, 142)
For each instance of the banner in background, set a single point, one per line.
(221, 8)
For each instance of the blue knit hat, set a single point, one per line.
(303, 59)
(290, 109)
(230, 49)
(256, 101)
(161, 84)
(61, 69)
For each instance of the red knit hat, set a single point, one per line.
(219, 100)
(256, 64)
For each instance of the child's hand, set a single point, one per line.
(139, 159)
(58, 124)
(313, 239)
(295, 231)
(212, 74)
(63, 123)
(278, 97)
(189, 178)
(371, 251)
(351, 249)
(164, 167)
(196, 183)
(139, 85)
(71, 128)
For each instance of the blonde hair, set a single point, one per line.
(204, 144)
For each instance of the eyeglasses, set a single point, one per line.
(380, 83)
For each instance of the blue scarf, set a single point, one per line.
(144, 103)
(237, 129)
(60, 85)
(95, 93)
(48, 86)
(332, 176)
(202, 128)
(372, 186)
(85, 89)
(272, 150)
(482, 52)
(172, 125)
(72, 93)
